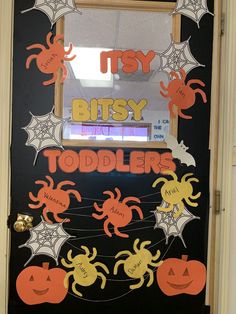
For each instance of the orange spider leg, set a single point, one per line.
(119, 234)
(183, 74)
(45, 212)
(138, 209)
(33, 198)
(118, 194)
(48, 39)
(170, 107)
(42, 182)
(182, 115)
(53, 80)
(202, 93)
(105, 226)
(163, 86)
(97, 208)
(75, 193)
(51, 182)
(35, 46)
(96, 216)
(68, 52)
(58, 219)
(64, 73)
(36, 206)
(29, 60)
(109, 193)
(61, 184)
(164, 95)
(57, 38)
(70, 58)
(131, 198)
(190, 82)
(70, 49)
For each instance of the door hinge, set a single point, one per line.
(222, 31)
(218, 206)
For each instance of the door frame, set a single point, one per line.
(222, 122)
(6, 38)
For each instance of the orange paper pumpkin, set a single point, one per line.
(36, 285)
(179, 276)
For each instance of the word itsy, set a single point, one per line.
(106, 161)
(107, 108)
(129, 58)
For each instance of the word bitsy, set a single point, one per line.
(106, 161)
(106, 108)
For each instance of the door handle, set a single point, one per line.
(23, 223)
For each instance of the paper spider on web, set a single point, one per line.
(46, 239)
(178, 56)
(44, 131)
(54, 9)
(194, 9)
(170, 225)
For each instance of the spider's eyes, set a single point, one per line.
(31, 278)
(171, 272)
(186, 272)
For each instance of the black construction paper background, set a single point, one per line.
(30, 95)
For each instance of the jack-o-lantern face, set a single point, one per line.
(36, 285)
(177, 276)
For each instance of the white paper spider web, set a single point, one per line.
(54, 9)
(170, 225)
(177, 56)
(194, 9)
(44, 131)
(46, 239)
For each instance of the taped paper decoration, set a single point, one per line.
(44, 131)
(117, 212)
(195, 10)
(178, 56)
(179, 151)
(84, 273)
(180, 276)
(36, 285)
(55, 200)
(54, 9)
(137, 264)
(46, 239)
(172, 226)
(50, 59)
(180, 94)
(173, 192)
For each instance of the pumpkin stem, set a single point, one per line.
(185, 258)
(45, 265)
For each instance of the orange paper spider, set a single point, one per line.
(181, 94)
(50, 59)
(55, 200)
(119, 214)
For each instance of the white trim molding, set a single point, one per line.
(6, 17)
(225, 157)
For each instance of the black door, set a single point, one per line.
(99, 279)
